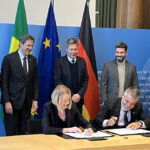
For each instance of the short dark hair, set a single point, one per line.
(71, 41)
(121, 45)
(26, 37)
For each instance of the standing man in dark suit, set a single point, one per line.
(125, 112)
(19, 87)
(71, 71)
(118, 75)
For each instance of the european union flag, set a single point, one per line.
(49, 53)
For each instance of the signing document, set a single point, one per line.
(127, 131)
(83, 135)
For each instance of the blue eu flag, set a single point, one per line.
(49, 53)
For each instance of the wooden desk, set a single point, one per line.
(53, 142)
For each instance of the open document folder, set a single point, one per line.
(126, 131)
(83, 135)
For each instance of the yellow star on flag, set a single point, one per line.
(58, 45)
(46, 43)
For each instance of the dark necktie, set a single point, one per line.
(125, 118)
(73, 61)
(25, 65)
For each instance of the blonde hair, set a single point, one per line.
(57, 94)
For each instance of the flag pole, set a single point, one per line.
(52, 3)
(88, 2)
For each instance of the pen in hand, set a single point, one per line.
(88, 131)
(112, 121)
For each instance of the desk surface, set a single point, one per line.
(53, 142)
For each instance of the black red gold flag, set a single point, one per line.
(86, 50)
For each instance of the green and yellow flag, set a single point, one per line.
(20, 27)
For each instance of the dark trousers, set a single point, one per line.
(16, 124)
(79, 106)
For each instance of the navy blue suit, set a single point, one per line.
(18, 89)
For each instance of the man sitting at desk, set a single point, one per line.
(125, 112)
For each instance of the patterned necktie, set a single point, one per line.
(125, 118)
(25, 65)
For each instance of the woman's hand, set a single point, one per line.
(72, 130)
(88, 131)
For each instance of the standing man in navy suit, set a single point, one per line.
(71, 71)
(19, 87)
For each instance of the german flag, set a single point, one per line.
(86, 50)
(20, 27)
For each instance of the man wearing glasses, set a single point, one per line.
(125, 112)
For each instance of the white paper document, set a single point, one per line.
(126, 131)
(83, 135)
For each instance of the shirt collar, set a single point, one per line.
(70, 59)
(121, 63)
(21, 55)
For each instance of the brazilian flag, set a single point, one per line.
(20, 27)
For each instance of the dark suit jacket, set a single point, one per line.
(15, 85)
(109, 84)
(112, 108)
(50, 119)
(62, 74)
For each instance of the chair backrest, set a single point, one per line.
(35, 126)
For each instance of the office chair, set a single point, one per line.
(34, 126)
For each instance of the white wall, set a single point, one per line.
(67, 12)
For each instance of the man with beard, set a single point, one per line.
(118, 75)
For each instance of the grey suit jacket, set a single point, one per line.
(15, 85)
(112, 108)
(109, 84)
(62, 74)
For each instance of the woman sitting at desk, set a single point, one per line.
(61, 114)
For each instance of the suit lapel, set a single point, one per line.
(67, 69)
(116, 111)
(134, 113)
(79, 69)
(29, 64)
(18, 62)
(68, 117)
(116, 72)
(126, 73)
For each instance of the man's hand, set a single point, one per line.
(76, 98)
(112, 121)
(34, 107)
(134, 125)
(8, 108)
